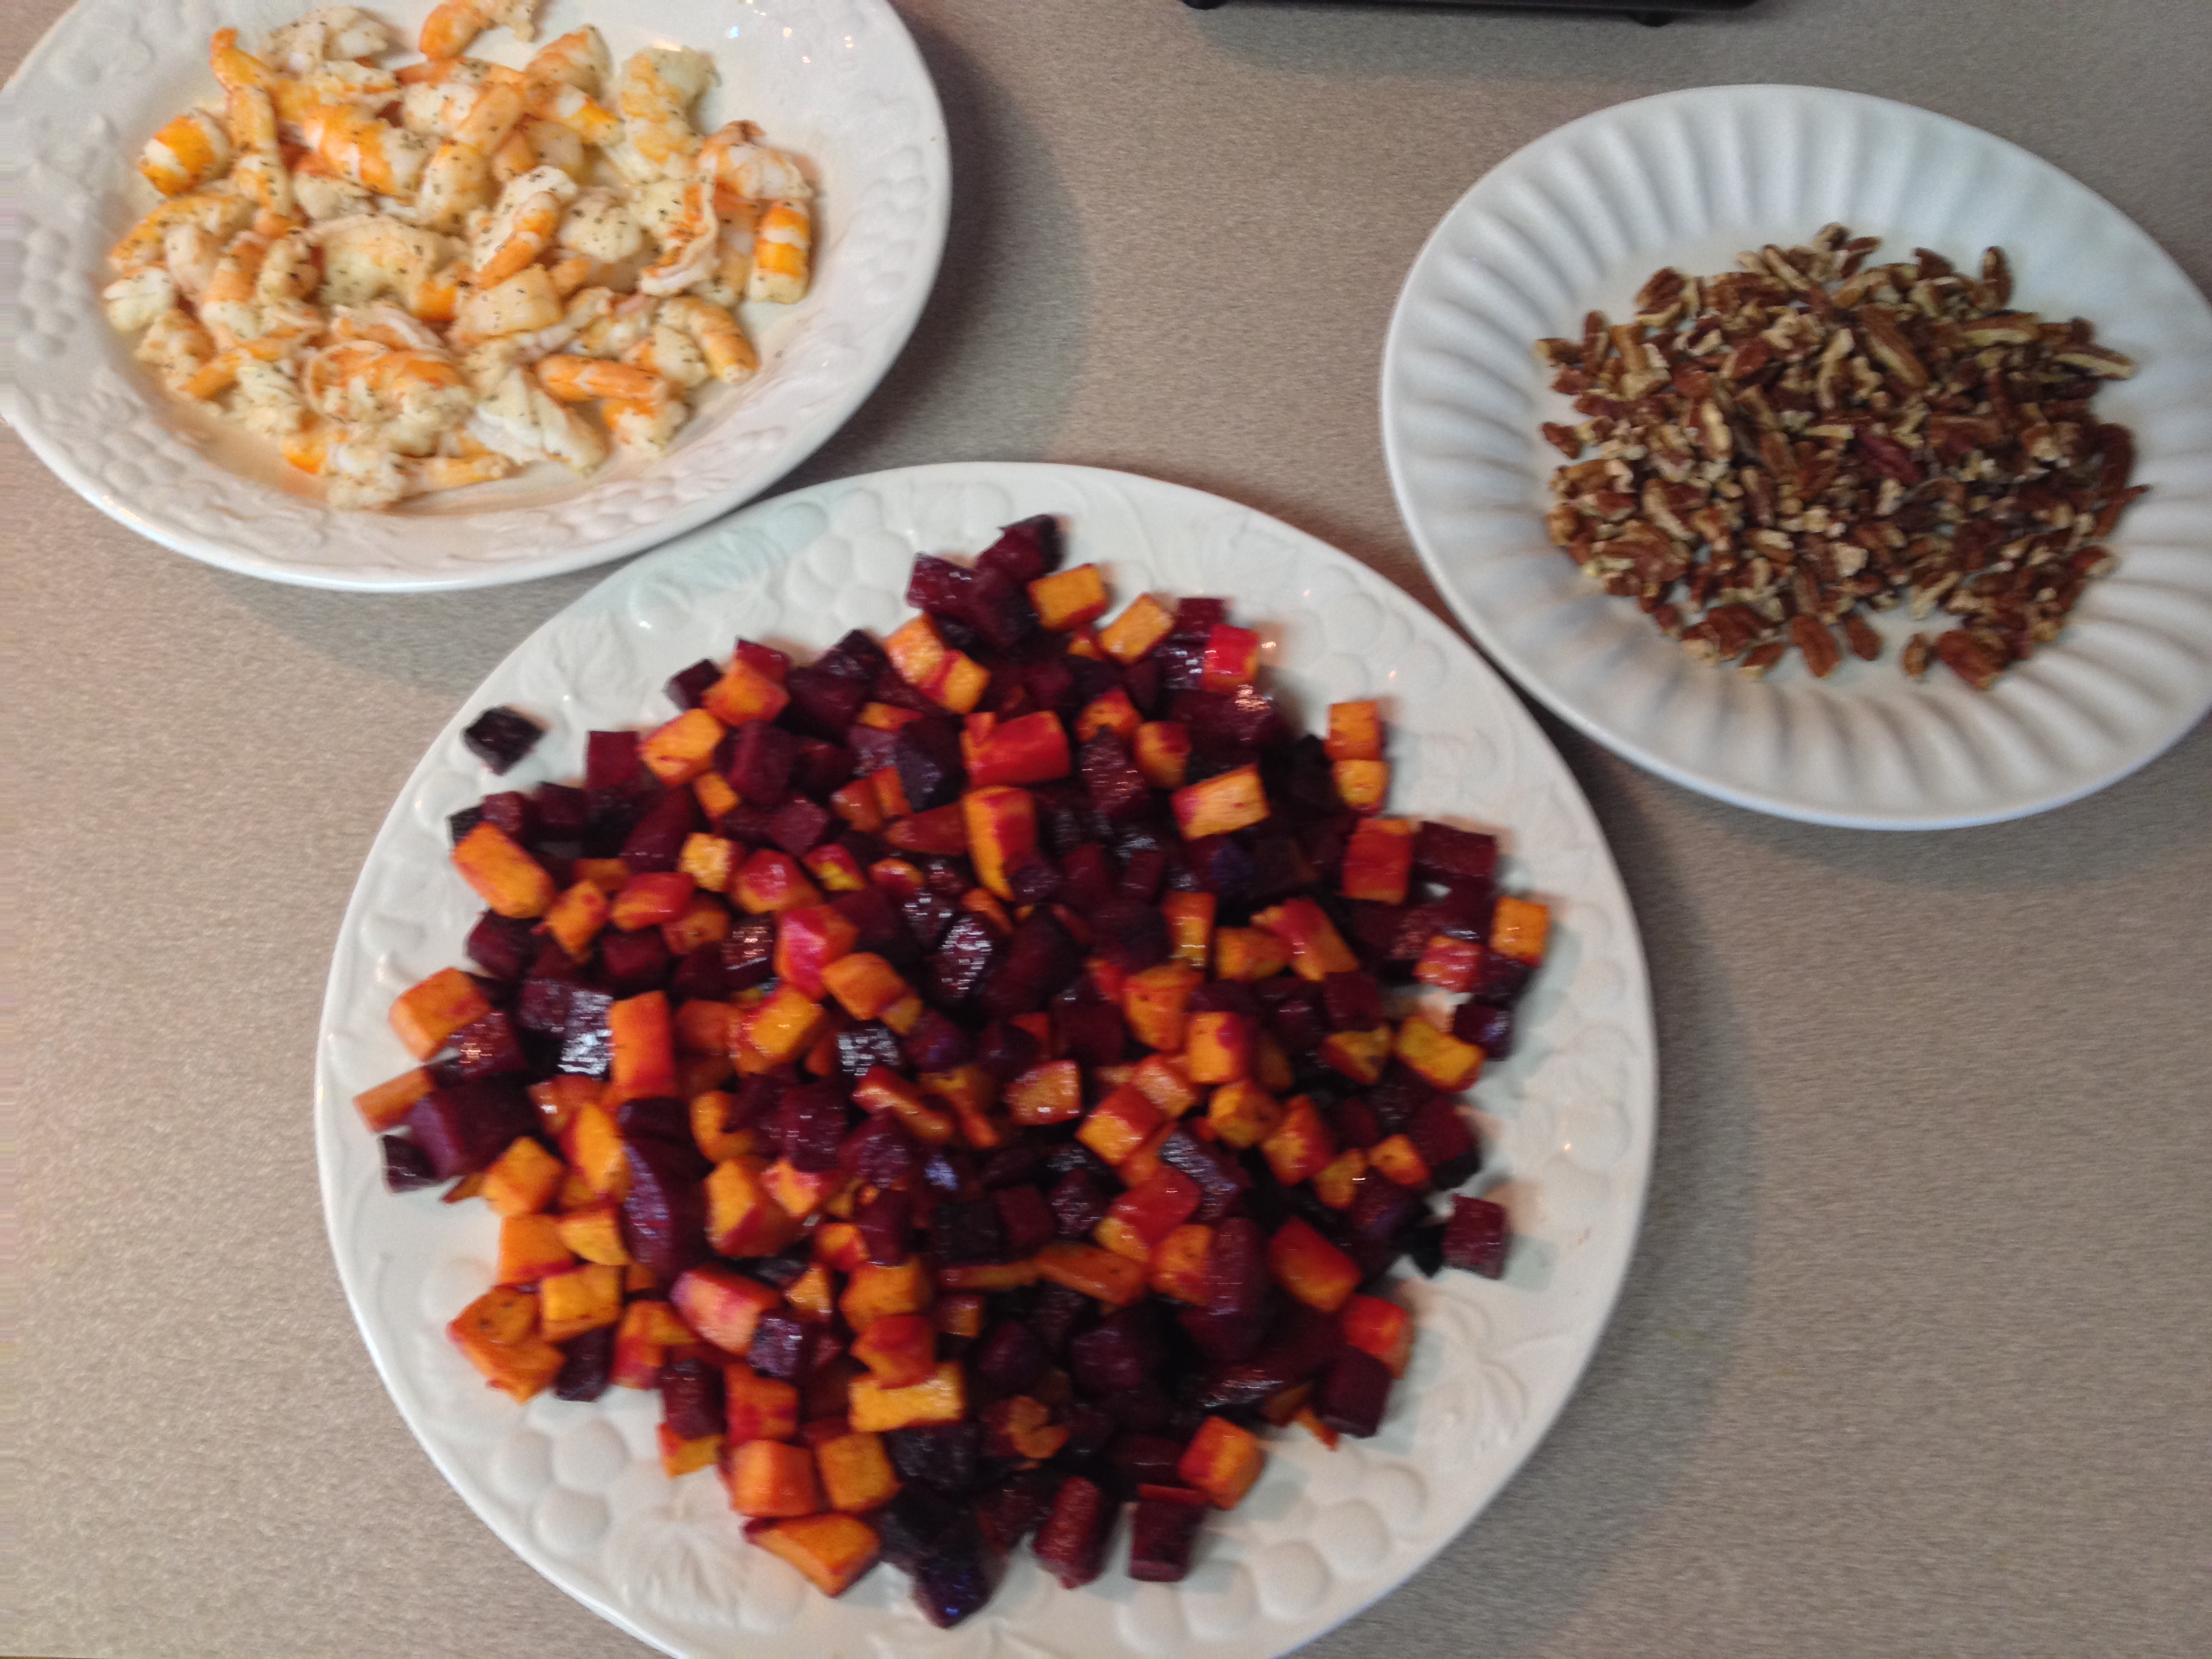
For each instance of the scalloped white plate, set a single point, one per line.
(576, 1490)
(1579, 219)
(837, 81)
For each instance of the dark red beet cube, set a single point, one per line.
(1476, 1236)
(658, 837)
(1025, 549)
(914, 1523)
(799, 825)
(1033, 879)
(406, 1166)
(1040, 961)
(1086, 876)
(587, 1365)
(1224, 1338)
(1443, 853)
(1353, 1002)
(1026, 1220)
(886, 1226)
(965, 1229)
(458, 824)
(821, 702)
(1118, 1352)
(760, 764)
(1057, 1314)
(635, 962)
(1129, 933)
(462, 1126)
(1381, 1210)
(963, 959)
(1142, 872)
(489, 1047)
(1446, 1145)
(1488, 1026)
(927, 753)
(691, 1398)
(811, 1125)
(664, 1216)
(1009, 1357)
(1194, 618)
(862, 1049)
(1072, 1543)
(685, 688)
(1499, 980)
(1356, 1124)
(1238, 722)
(586, 1044)
(951, 1583)
(997, 608)
(699, 977)
(1220, 1179)
(1116, 787)
(1005, 1050)
(1007, 1513)
(1220, 865)
(1091, 1033)
(1425, 1248)
(822, 766)
(562, 812)
(1143, 1460)
(749, 954)
(1079, 1201)
(1302, 1344)
(939, 586)
(1296, 1018)
(500, 737)
(928, 916)
(779, 1348)
(1354, 1394)
(1163, 1533)
(1236, 1274)
(940, 1455)
(610, 759)
(509, 810)
(500, 946)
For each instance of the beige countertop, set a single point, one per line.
(1913, 1356)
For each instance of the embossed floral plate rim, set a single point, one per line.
(1580, 218)
(1568, 1122)
(840, 81)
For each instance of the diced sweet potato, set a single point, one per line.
(530, 1248)
(1338, 1182)
(703, 920)
(723, 1305)
(1221, 805)
(855, 1471)
(648, 900)
(1440, 1058)
(594, 1147)
(1359, 1056)
(385, 1106)
(1381, 1328)
(679, 1456)
(1153, 1002)
(864, 984)
(1222, 1461)
(523, 1179)
(1068, 598)
(1249, 954)
(1165, 1080)
(1317, 949)
(577, 916)
(682, 749)
(813, 1294)
(831, 1551)
(1050, 1093)
(498, 1332)
(715, 795)
(773, 1478)
(743, 695)
(1449, 964)
(1311, 1268)
(709, 860)
(1519, 928)
(742, 1216)
(1242, 1115)
(835, 869)
(1218, 1047)
(771, 882)
(642, 1061)
(1131, 635)
(1156, 1206)
(1119, 1124)
(875, 1293)
(882, 1090)
(594, 1232)
(899, 1350)
(1355, 731)
(942, 831)
(801, 1191)
(1113, 711)
(582, 1299)
(505, 877)
(785, 1026)
(759, 1408)
(1001, 827)
(940, 1397)
(1400, 1160)
(1301, 1147)
(1101, 1274)
(1177, 1267)
(639, 1350)
(1161, 752)
(427, 1014)
(1378, 861)
(1361, 785)
(858, 805)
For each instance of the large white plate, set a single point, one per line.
(576, 1491)
(837, 81)
(1579, 219)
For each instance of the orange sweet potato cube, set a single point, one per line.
(857, 804)
(1519, 928)
(1131, 634)
(1449, 964)
(679, 1456)
(831, 1551)
(1359, 1056)
(917, 651)
(523, 1179)
(876, 1292)
(882, 1090)
(1378, 861)
(682, 749)
(642, 1051)
(1161, 752)
(958, 1315)
(785, 1026)
(807, 940)
(1361, 785)
(1249, 954)
(1441, 1059)
(575, 918)
(1050, 1093)
(771, 882)
(710, 1126)
(1219, 805)
(1112, 713)
(427, 1014)
(899, 1350)
(800, 1192)
(498, 1334)
(702, 1027)
(891, 804)
(1338, 1184)
(981, 902)
(1271, 1066)
(529, 1247)
(758, 1408)
(1381, 1328)
(835, 869)
(386, 1106)
(773, 1478)
(638, 1353)
(840, 1245)
(594, 1149)
(941, 829)
(1218, 1047)
(743, 694)
(1317, 949)
(1311, 1268)
(559, 1098)
(1068, 598)
(722, 1305)
(971, 1091)
(608, 875)
(709, 860)
(1243, 1115)
(576, 1194)
(594, 1232)
(1119, 1124)
(703, 920)
(648, 900)
(1301, 1147)
(1119, 1235)
(715, 795)
(1355, 731)
(1164, 1079)
(1222, 1461)
(1177, 1268)
(1108, 1278)
(856, 1473)
(1153, 1002)
(941, 1397)
(813, 1294)
(1190, 926)
(1001, 827)
(742, 1216)
(1398, 1159)
(1022, 1427)
(505, 876)
(582, 1299)
(959, 684)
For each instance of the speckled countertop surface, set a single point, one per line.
(1913, 1356)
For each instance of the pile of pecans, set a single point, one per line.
(1782, 448)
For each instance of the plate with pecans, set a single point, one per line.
(578, 1488)
(1820, 453)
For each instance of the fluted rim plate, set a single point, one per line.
(837, 81)
(576, 1490)
(1579, 219)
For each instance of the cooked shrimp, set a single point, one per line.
(250, 114)
(185, 153)
(495, 112)
(730, 355)
(228, 309)
(135, 301)
(599, 225)
(367, 150)
(361, 473)
(235, 66)
(753, 171)
(733, 251)
(520, 420)
(647, 425)
(288, 272)
(456, 181)
(387, 325)
(626, 321)
(407, 396)
(452, 24)
(579, 59)
(522, 225)
(214, 210)
(430, 474)
(327, 34)
(176, 347)
(322, 194)
(437, 95)
(781, 249)
(691, 245)
(360, 86)
(189, 254)
(373, 255)
(579, 379)
(576, 110)
(267, 401)
(654, 97)
(670, 353)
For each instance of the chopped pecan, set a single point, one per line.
(1969, 657)
(1761, 657)
(1865, 643)
(1913, 659)
(1818, 644)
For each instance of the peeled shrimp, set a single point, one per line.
(581, 380)
(135, 301)
(387, 325)
(578, 111)
(267, 401)
(730, 356)
(783, 247)
(670, 353)
(733, 250)
(407, 396)
(228, 309)
(691, 246)
(452, 24)
(579, 59)
(654, 97)
(455, 182)
(626, 321)
(322, 194)
(599, 225)
(236, 67)
(427, 475)
(496, 110)
(328, 34)
(436, 95)
(189, 254)
(523, 225)
(185, 153)
(520, 420)
(753, 171)
(176, 347)
(367, 150)
(214, 209)
(645, 425)
(250, 115)
(372, 254)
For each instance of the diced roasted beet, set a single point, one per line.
(821, 702)
(1009, 1511)
(1142, 871)
(927, 756)
(963, 959)
(1221, 1181)
(1129, 933)
(1499, 979)
(913, 1524)
(509, 810)
(1445, 1143)
(886, 1225)
(1005, 1051)
(1476, 1236)
(458, 824)
(1352, 1002)
(927, 915)
(1467, 908)
(1295, 1018)
(1025, 1218)
(1039, 961)
(1354, 1394)
(1443, 853)
(950, 1584)
(1116, 787)
(1086, 878)
(1220, 865)
(938, 586)
(811, 1125)
(658, 837)
(586, 1042)
(1243, 721)
(1019, 1163)
(1147, 1460)
(779, 1348)
(1163, 1532)
(500, 946)
(880, 1152)
(781, 1271)
(1025, 549)
(1302, 1343)
(1180, 665)
(1093, 1033)
(588, 1365)
(800, 825)
(1425, 1248)
(940, 1454)
(761, 760)
(1033, 879)
(1224, 1339)
(749, 954)
(699, 976)
(1486, 1025)
(500, 737)
(1356, 1124)
(664, 1216)
(1057, 1314)
(1278, 867)
(406, 1166)
(691, 1398)
(1009, 1357)
(1401, 1092)
(862, 1048)
(746, 824)
(967, 1230)
(1301, 775)
(1381, 1210)
(610, 759)
(1237, 1274)
(997, 606)
(662, 1117)
(1119, 1352)
(946, 878)
(635, 962)
(488, 1046)
(946, 1169)
(1072, 1542)
(1145, 683)
(1079, 1201)
(936, 1044)
(462, 1126)
(686, 687)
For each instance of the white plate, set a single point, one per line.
(576, 1491)
(837, 81)
(1578, 220)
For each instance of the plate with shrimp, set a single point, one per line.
(441, 296)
